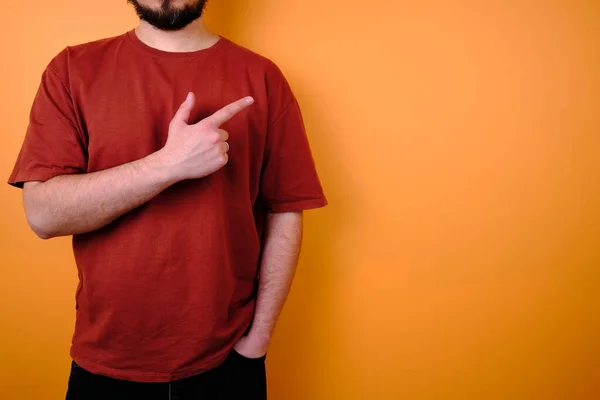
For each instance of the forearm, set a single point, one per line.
(283, 240)
(75, 204)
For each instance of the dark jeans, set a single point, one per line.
(237, 378)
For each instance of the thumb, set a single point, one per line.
(183, 114)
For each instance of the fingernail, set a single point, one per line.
(249, 100)
(189, 96)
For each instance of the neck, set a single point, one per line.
(193, 37)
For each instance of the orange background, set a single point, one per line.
(459, 143)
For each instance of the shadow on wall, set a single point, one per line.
(303, 357)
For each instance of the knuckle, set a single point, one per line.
(214, 137)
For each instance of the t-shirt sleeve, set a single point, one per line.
(53, 143)
(289, 181)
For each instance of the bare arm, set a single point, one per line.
(75, 204)
(280, 258)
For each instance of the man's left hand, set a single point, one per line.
(251, 348)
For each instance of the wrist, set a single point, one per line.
(259, 339)
(164, 169)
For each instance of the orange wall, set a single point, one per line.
(459, 142)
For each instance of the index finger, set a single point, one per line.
(228, 112)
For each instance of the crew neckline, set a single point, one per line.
(135, 40)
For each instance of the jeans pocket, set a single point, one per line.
(237, 355)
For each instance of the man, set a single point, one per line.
(186, 218)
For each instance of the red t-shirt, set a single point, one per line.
(168, 289)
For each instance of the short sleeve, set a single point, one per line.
(53, 144)
(289, 181)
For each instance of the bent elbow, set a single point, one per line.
(38, 224)
(39, 228)
(43, 234)
(37, 218)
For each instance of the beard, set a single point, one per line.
(169, 18)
